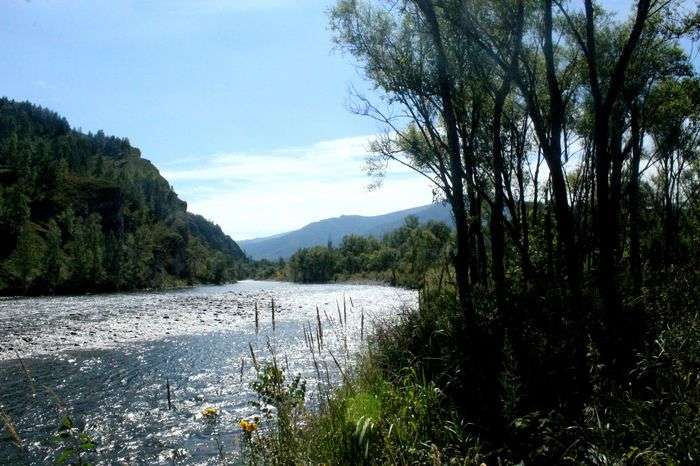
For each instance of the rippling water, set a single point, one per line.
(105, 359)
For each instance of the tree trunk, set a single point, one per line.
(457, 198)
(635, 254)
(497, 234)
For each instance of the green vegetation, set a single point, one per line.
(405, 402)
(403, 257)
(84, 212)
(334, 229)
(558, 325)
(567, 144)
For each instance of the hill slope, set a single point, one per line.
(333, 229)
(84, 212)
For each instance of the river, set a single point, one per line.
(105, 361)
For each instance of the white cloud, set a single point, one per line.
(259, 194)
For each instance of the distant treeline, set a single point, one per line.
(404, 257)
(84, 212)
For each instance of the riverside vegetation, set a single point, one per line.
(403, 257)
(567, 142)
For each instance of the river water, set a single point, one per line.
(105, 361)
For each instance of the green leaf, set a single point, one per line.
(65, 455)
(66, 423)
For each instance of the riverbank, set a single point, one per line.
(114, 383)
(409, 401)
(170, 285)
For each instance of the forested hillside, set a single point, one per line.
(84, 212)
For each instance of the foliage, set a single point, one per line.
(74, 444)
(403, 257)
(566, 141)
(84, 212)
(282, 405)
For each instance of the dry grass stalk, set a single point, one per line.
(273, 314)
(320, 327)
(252, 355)
(328, 318)
(337, 364)
(257, 318)
(167, 387)
(27, 374)
(345, 313)
(362, 324)
(10, 429)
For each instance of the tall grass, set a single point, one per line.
(407, 400)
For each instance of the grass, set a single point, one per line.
(411, 396)
(406, 402)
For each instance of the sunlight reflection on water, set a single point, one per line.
(107, 358)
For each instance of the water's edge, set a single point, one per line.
(108, 357)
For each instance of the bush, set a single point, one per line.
(417, 398)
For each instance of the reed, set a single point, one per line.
(311, 338)
(273, 313)
(252, 355)
(320, 327)
(337, 364)
(362, 324)
(10, 429)
(319, 337)
(313, 358)
(257, 318)
(272, 352)
(345, 313)
(27, 374)
(167, 388)
(60, 406)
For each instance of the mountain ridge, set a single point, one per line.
(283, 245)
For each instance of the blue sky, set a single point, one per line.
(242, 104)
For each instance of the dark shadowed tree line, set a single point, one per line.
(84, 212)
(566, 140)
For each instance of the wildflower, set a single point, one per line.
(248, 426)
(210, 412)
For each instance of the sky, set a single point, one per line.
(242, 104)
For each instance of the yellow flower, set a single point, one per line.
(248, 426)
(210, 412)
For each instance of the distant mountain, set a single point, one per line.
(333, 229)
(85, 212)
